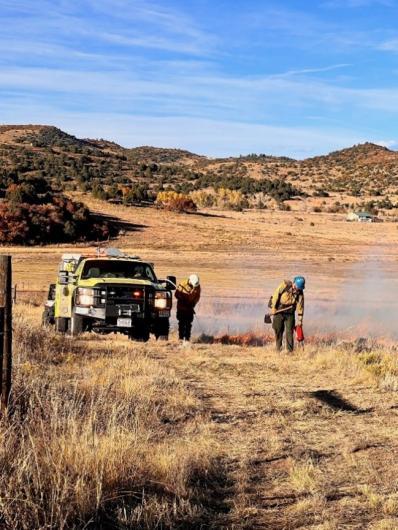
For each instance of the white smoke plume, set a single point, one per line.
(365, 305)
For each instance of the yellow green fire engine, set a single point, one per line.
(110, 292)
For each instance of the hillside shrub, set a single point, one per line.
(136, 194)
(203, 198)
(175, 202)
(61, 220)
(231, 199)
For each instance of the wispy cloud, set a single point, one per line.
(389, 45)
(155, 42)
(390, 144)
(165, 64)
(358, 3)
(304, 71)
(312, 32)
(200, 93)
(170, 20)
(124, 22)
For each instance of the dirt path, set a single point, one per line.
(309, 441)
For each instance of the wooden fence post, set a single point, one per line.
(5, 329)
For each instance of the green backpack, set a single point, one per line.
(288, 285)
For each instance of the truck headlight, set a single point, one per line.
(162, 300)
(84, 296)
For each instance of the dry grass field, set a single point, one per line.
(106, 433)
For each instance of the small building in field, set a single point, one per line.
(363, 217)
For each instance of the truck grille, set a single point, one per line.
(125, 295)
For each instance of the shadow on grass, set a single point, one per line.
(117, 225)
(210, 490)
(206, 214)
(333, 399)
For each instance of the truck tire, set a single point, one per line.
(76, 324)
(61, 324)
(140, 334)
(47, 317)
(161, 329)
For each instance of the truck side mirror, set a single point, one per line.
(63, 278)
(66, 277)
(171, 282)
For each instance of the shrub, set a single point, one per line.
(59, 221)
(176, 202)
(231, 199)
(135, 195)
(203, 198)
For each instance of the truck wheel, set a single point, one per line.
(76, 324)
(139, 335)
(61, 324)
(47, 317)
(161, 330)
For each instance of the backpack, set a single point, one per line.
(288, 285)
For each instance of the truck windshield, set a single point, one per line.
(118, 269)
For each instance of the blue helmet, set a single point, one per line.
(299, 282)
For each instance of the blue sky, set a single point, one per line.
(216, 77)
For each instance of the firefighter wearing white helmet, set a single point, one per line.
(188, 295)
(194, 280)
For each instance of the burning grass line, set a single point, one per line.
(244, 339)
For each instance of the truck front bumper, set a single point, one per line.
(92, 312)
(110, 316)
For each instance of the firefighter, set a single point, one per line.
(286, 300)
(188, 295)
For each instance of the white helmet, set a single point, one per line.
(194, 280)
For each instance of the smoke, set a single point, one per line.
(364, 305)
(230, 315)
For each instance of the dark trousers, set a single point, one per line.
(185, 319)
(280, 323)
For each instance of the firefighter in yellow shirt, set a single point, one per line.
(188, 295)
(286, 300)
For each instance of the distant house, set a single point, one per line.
(363, 217)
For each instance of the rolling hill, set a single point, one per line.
(361, 173)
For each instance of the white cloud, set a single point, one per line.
(130, 23)
(155, 42)
(304, 71)
(198, 92)
(390, 144)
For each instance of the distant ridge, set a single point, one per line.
(361, 170)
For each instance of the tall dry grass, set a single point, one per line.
(100, 437)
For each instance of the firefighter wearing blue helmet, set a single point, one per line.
(287, 299)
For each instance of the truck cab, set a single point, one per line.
(112, 292)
